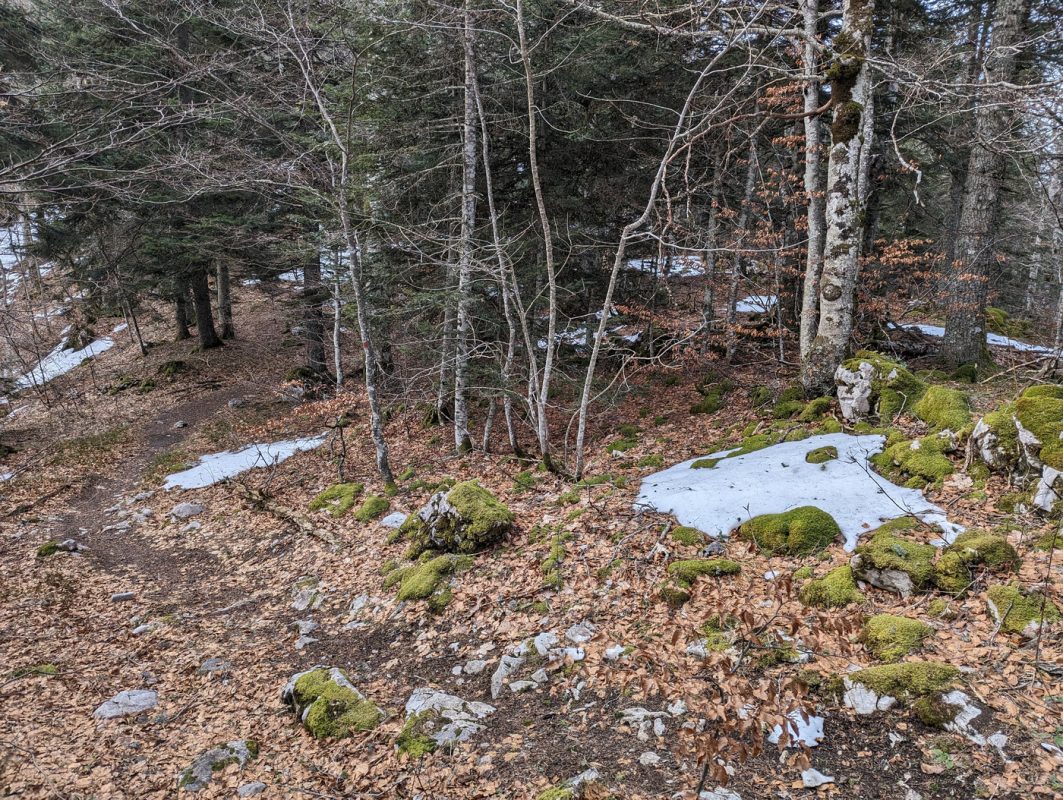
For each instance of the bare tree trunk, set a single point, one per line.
(542, 401)
(313, 322)
(851, 91)
(208, 336)
(225, 303)
(738, 263)
(712, 241)
(181, 321)
(814, 188)
(964, 340)
(337, 353)
(462, 442)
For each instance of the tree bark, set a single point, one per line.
(208, 336)
(225, 303)
(181, 320)
(738, 263)
(968, 286)
(847, 166)
(313, 321)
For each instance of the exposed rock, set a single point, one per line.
(644, 721)
(127, 703)
(437, 719)
(507, 665)
(967, 711)
(464, 519)
(719, 794)
(581, 633)
(186, 510)
(813, 778)
(200, 772)
(304, 627)
(614, 652)
(474, 667)
(540, 676)
(121, 597)
(649, 759)
(251, 789)
(394, 519)
(213, 665)
(328, 704)
(305, 594)
(854, 390)
(863, 700)
(522, 686)
(802, 728)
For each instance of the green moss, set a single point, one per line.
(594, 480)
(338, 499)
(837, 588)
(940, 608)
(334, 711)
(170, 369)
(999, 321)
(709, 404)
(932, 710)
(674, 594)
(389, 566)
(36, 670)
(803, 574)
(524, 481)
(557, 793)
(788, 409)
(422, 580)
(953, 571)
(480, 520)
(1050, 541)
(621, 446)
(885, 550)
(916, 463)
(406, 474)
(799, 531)
(910, 679)
(651, 461)
(891, 638)
(705, 463)
(821, 455)
(712, 392)
(569, 498)
(47, 549)
(831, 425)
(966, 373)
(551, 565)
(942, 408)
(688, 571)
(1040, 411)
(894, 389)
(413, 740)
(684, 534)
(759, 396)
(372, 507)
(1019, 610)
(815, 409)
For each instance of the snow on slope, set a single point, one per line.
(216, 467)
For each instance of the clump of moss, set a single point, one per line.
(684, 534)
(653, 460)
(815, 409)
(413, 739)
(966, 373)
(171, 369)
(705, 463)
(372, 507)
(551, 565)
(786, 409)
(424, 579)
(933, 711)
(894, 389)
(835, 589)
(557, 793)
(569, 498)
(524, 481)
(803, 574)
(48, 549)
(822, 455)
(338, 499)
(712, 393)
(594, 480)
(799, 531)
(891, 638)
(910, 679)
(885, 550)
(940, 608)
(335, 709)
(1000, 321)
(943, 408)
(952, 573)
(41, 670)
(1050, 541)
(759, 396)
(1020, 611)
(682, 575)
(916, 463)
(1039, 410)
(476, 520)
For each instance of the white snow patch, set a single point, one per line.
(680, 266)
(808, 730)
(60, 361)
(121, 326)
(216, 467)
(755, 304)
(994, 339)
(778, 478)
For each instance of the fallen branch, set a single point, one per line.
(259, 500)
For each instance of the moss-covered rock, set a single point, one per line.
(426, 579)
(799, 531)
(895, 563)
(953, 571)
(932, 710)
(996, 439)
(821, 455)
(1039, 417)
(413, 739)
(891, 638)
(337, 499)
(465, 519)
(201, 771)
(908, 680)
(687, 571)
(943, 408)
(684, 534)
(835, 589)
(873, 384)
(1021, 611)
(917, 463)
(329, 705)
(372, 507)
(814, 409)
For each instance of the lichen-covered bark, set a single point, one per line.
(851, 91)
(964, 341)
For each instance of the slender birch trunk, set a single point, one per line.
(814, 187)
(738, 265)
(851, 91)
(712, 241)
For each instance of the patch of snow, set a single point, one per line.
(677, 266)
(778, 478)
(808, 730)
(60, 361)
(6, 476)
(755, 304)
(121, 326)
(993, 339)
(813, 778)
(217, 467)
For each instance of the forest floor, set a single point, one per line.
(225, 584)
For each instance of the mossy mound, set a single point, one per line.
(1020, 611)
(465, 519)
(894, 389)
(48, 549)
(682, 575)
(338, 499)
(891, 638)
(803, 573)
(933, 711)
(821, 455)
(330, 706)
(684, 534)
(413, 739)
(834, 590)
(1002, 449)
(706, 463)
(372, 507)
(943, 408)
(799, 531)
(886, 552)
(713, 392)
(910, 679)
(427, 579)
(171, 369)
(1039, 410)
(814, 409)
(916, 463)
(1000, 321)
(652, 460)
(953, 571)
(551, 565)
(557, 793)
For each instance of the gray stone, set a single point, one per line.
(199, 773)
(854, 390)
(306, 596)
(863, 700)
(719, 794)
(507, 665)
(649, 759)
(581, 633)
(892, 580)
(70, 546)
(455, 720)
(813, 778)
(714, 548)
(121, 597)
(614, 652)
(237, 402)
(522, 686)
(474, 667)
(214, 664)
(180, 424)
(127, 703)
(251, 789)
(186, 510)
(540, 676)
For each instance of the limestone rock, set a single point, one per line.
(854, 390)
(126, 704)
(200, 772)
(446, 719)
(186, 510)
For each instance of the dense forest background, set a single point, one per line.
(471, 186)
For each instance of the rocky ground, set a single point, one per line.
(231, 641)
